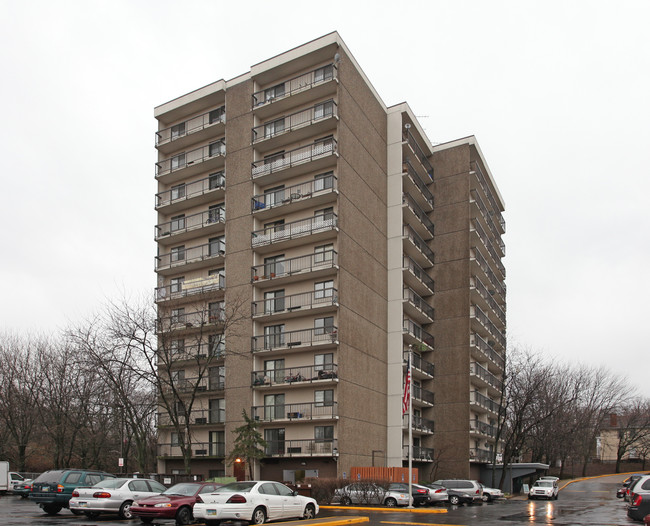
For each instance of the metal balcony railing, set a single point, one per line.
(296, 157)
(302, 448)
(485, 294)
(195, 384)
(198, 123)
(198, 155)
(186, 191)
(483, 182)
(418, 151)
(499, 285)
(483, 428)
(421, 454)
(196, 352)
(412, 328)
(191, 320)
(298, 265)
(418, 272)
(419, 363)
(190, 255)
(190, 287)
(481, 372)
(418, 212)
(293, 302)
(295, 412)
(298, 338)
(320, 111)
(196, 417)
(292, 193)
(487, 217)
(487, 349)
(292, 375)
(488, 245)
(189, 223)
(485, 402)
(422, 395)
(419, 243)
(199, 449)
(484, 319)
(417, 180)
(295, 85)
(415, 300)
(480, 455)
(293, 230)
(420, 424)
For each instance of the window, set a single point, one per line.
(177, 346)
(217, 246)
(216, 213)
(323, 433)
(178, 130)
(274, 196)
(323, 253)
(216, 447)
(176, 284)
(274, 370)
(274, 92)
(217, 115)
(217, 311)
(219, 276)
(273, 406)
(217, 411)
(323, 145)
(324, 398)
(216, 180)
(139, 485)
(273, 336)
(178, 161)
(216, 148)
(324, 214)
(324, 362)
(323, 289)
(274, 439)
(324, 325)
(216, 345)
(324, 109)
(177, 223)
(274, 266)
(323, 181)
(324, 73)
(178, 191)
(217, 377)
(178, 253)
(178, 378)
(274, 161)
(178, 315)
(176, 439)
(273, 128)
(273, 301)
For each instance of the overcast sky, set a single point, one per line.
(556, 93)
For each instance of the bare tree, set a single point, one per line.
(633, 429)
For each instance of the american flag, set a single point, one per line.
(407, 388)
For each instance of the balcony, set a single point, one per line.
(185, 322)
(195, 385)
(420, 454)
(302, 448)
(477, 230)
(487, 298)
(207, 190)
(291, 234)
(416, 186)
(314, 121)
(481, 403)
(191, 258)
(421, 425)
(412, 143)
(417, 336)
(295, 412)
(421, 397)
(486, 349)
(416, 248)
(320, 264)
(416, 308)
(424, 368)
(496, 211)
(186, 164)
(487, 379)
(487, 219)
(416, 278)
(190, 289)
(191, 131)
(498, 285)
(196, 417)
(295, 375)
(187, 227)
(199, 450)
(274, 168)
(199, 353)
(480, 455)
(417, 218)
(295, 305)
(482, 428)
(310, 194)
(485, 322)
(299, 339)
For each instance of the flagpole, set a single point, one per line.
(410, 362)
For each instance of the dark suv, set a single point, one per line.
(53, 489)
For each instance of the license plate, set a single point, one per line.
(82, 504)
(210, 512)
(45, 490)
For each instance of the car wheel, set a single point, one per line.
(454, 499)
(487, 497)
(52, 509)
(184, 516)
(390, 502)
(310, 512)
(346, 501)
(91, 514)
(125, 510)
(259, 516)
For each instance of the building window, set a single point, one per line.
(324, 109)
(216, 345)
(274, 370)
(176, 439)
(324, 214)
(178, 161)
(323, 433)
(273, 336)
(178, 315)
(177, 223)
(273, 301)
(273, 128)
(216, 213)
(323, 253)
(323, 289)
(274, 439)
(176, 285)
(178, 191)
(217, 246)
(216, 180)
(178, 253)
(274, 92)
(274, 227)
(216, 148)
(274, 266)
(217, 448)
(324, 181)
(324, 362)
(217, 115)
(274, 196)
(324, 398)
(324, 73)
(217, 377)
(177, 347)
(178, 130)
(217, 411)
(218, 276)
(217, 311)
(324, 325)
(273, 406)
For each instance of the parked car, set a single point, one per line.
(23, 488)
(623, 491)
(543, 489)
(641, 484)
(370, 493)
(639, 506)
(473, 487)
(113, 496)
(176, 502)
(420, 493)
(437, 493)
(490, 494)
(255, 501)
(457, 497)
(53, 489)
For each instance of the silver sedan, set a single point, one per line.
(113, 496)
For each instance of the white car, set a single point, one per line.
(490, 494)
(255, 502)
(544, 489)
(113, 496)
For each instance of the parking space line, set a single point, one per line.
(417, 523)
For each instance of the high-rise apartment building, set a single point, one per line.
(308, 237)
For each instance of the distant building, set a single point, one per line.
(345, 237)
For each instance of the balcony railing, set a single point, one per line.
(480, 455)
(293, 193)
(484, 319)
(481, 372)
(296, 157)
(487, 217)
(421, 454)
(417, 180)
(198, 155)
(483, 428)
(292, 375)
(295, 229)
(298, 265)
(422, 395)
(487, 349)
(412, 328)
(189, 223)
(192, 125)
(295, 85)
(485, 294)
(295, 412)
(483, 401)
(292, 339)
(199, 449)
(196, 353)
(499, 285)
(302, 448)
(418, 212)
(483, 182)
(415, 300)
(418, 242)
(318, 112)
(194, 189)
(417, 150)
(488, 245)
(419, 363)
(418, 272)
(195, 384)
(305, 300)
(196, 417)
(420, 424)
(190, 287)
(190, 255)
(191, 320)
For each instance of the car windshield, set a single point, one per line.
(49, 476)
(110, 483)
(243, 487)
(185, 489)
(544, 483)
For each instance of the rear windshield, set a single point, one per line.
(110, 483)
(50, 476)
(237, 487)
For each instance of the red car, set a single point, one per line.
(175, 503)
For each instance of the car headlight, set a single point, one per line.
(163, 505)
